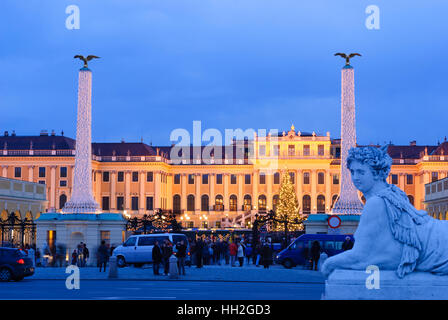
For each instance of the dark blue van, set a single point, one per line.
(295, 254)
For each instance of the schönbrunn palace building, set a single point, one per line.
(138, 178)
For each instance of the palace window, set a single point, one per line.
(134, 202)
(135, 176)
(306, 200)
(320, 150)
(292, 176)
(233, 179)
(190, 202)
(394, 179)
(17, 172)
(177, 179)
(320, 204)
(62, 183)
(176, 203)
(411, 199)
(149, 203)
(247, 178)
(409, 179)
(275, 200)
(320, 178)
(120, 176)
(434, 176)
(335, 178)
(276, 178)
(62, 201)
(306, 150)
(247, 203)
(218, 224)
(149, 176)
(233, 203)
(262, 203)
(219, 178)
(333, 200)
(219, 203)
(275, 150)
(205, 224)
(291, 150)
(41, 172)
(306, 178)
(120, 203)
(63, 172)
(105, 176)
(205, 179)
(204, 203)
(262, 179)
(105, 203)
(191, 179)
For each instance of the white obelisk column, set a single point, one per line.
(348, 202)
(82, 200)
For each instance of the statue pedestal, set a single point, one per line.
(351, 285)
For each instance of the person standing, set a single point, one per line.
(198, 250)
(240, 253)
(156, 258)
(266, 255)
(181, 254)
(103, 255)
(167, 251)
(233, 249)
(225, 251)
(85, 253)
(32, 255)
(315, 254)
(348, 244)
(75, 257)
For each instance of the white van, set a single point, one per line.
(137, 249)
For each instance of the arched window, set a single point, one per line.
(275, 202)
(219, 203)
(320, 178)
(411, 199)
(262, 202)
(320, 204)
(233, 203)
(247, 204)
(204, 203)
(363, 199)
(190, 203)
(62, 201)
(306, 200)
(276, 178)
(176, 203)
(333, 200)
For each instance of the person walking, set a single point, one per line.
(258, 254)
(315, 254)
(156, 258)
(225, 251)
(240, 253)
(248, 252)
(233, 249)
(181, 255)
(103, 255)
(32, 255)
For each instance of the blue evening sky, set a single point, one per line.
(229, 63)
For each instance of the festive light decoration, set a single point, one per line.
(347, 202)
(287, 216)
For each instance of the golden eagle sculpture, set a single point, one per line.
(347, 58)
(90, 57)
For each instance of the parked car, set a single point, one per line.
(297, 252)
(14, 264)
(137, 249)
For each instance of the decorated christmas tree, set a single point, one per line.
(287, 216)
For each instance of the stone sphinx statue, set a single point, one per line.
(391, 234)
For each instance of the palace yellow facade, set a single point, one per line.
(137, 178)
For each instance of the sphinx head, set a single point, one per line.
(368, 166)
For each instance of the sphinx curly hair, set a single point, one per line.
(375, 158)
